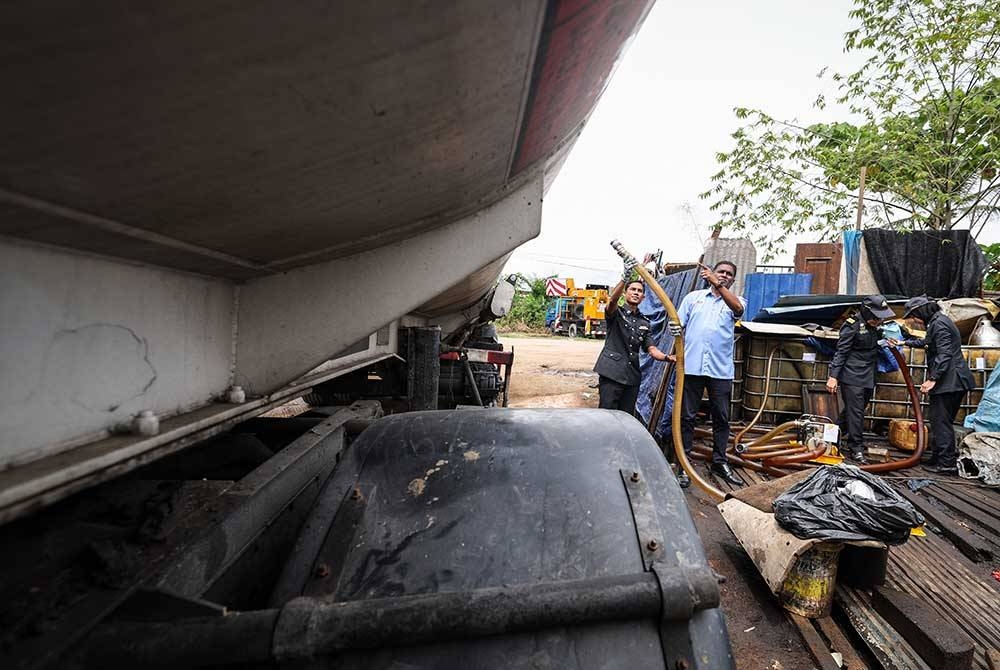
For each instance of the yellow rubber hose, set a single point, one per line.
(675, 415)
(767, 390)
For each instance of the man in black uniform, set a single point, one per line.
(853, 367)
(628, 332)
(947, 381)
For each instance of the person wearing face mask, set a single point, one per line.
(853, 369)
(628, 332)
(947, 381)
(707, 320)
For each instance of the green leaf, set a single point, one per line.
(928, 92)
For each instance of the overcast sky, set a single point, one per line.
(649, 148)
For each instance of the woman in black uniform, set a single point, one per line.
(947, 381)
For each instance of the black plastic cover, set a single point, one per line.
(470, 499)
(822, 506)
(938, 263)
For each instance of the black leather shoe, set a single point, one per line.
(723, 471)
(859, 458)
(944, 469)
(683, 479)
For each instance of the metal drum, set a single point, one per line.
(791, 367)
(789, 372)
(739, 369)
(891, 400)
(808, 589)
(985, 335)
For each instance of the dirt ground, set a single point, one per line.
(556, 372)
(553, 371)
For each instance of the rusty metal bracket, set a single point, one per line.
(647, 524)
(700, 585)
(333, 554)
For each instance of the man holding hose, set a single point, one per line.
(628, 332)
(708, 318)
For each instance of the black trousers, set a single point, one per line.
(852, 416)
(944, 407)
(614, 395)
(719, 395)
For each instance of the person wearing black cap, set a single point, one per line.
(628, 332)
(853, 367)
(947, 381)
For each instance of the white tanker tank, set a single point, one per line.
(208, 209)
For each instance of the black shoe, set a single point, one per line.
(944, 469)
(723, 471)
(683, 479)
(859, 458)
(929, 458)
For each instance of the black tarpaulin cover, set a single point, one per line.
(941, 264)
(845, 503)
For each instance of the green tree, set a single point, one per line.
(991, 282)
(927, 133)
(527, 311)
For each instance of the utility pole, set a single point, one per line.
(861, 197)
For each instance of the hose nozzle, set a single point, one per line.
(623, 252)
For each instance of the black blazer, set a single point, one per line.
(628, 334)
(945, 364)
(856, 358)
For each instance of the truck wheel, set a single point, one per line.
(572, 330)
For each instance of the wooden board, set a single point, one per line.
(822, 261)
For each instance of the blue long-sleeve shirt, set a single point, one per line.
(708, 334)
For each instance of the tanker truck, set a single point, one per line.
(210, 211)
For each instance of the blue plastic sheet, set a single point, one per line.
(676, 286)
(852, 258)
(986, 418)
(764, 289)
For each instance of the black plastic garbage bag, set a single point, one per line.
(845, 503)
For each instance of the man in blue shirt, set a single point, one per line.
(708, 317)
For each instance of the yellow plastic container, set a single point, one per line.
(903, 434)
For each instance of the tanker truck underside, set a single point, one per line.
(209, 209)
(441, 539)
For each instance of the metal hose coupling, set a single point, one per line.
(625, 255)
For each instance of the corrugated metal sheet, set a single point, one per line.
(764, 289)
(739, 251)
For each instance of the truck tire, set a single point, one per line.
(571, 331)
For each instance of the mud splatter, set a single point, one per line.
(471, 456)
(416, 487)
